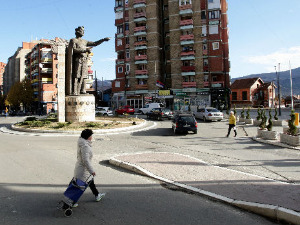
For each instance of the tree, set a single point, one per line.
(20, 93)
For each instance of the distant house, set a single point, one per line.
(252, 92)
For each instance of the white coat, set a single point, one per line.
(83, 166)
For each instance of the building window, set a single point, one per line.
(185, 2)
(120, 69)
(215, 45)
(117, 84)
(126, 26)
(120, 29)
(119, 42)
(214, 14)
(119, 3)
(234, 96)
(127, 53)
(213, 29)
(203, 15)
(127, 68)
(244, 95)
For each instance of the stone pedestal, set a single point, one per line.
(80, 108)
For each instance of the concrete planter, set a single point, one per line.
(256, 122)
(249, 121)
(289, 139)
(241, 119)
(267, 135)
(277, 123)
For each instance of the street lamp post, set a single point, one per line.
(278, 84)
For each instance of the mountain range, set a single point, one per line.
(284, 80)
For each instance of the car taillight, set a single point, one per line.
(161, 113)
(196, 124)
(209, 114)
(177, 124)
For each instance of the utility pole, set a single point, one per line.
(278, 84)
(96, 86)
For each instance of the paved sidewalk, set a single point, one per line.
(267, 197)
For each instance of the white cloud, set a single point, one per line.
(282, 56)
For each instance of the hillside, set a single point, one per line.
(284, 78)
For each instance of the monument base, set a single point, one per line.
(80, 108)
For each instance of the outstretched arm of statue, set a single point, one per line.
(99, 42)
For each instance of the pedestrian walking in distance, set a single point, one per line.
(83, 167)
(232, 123)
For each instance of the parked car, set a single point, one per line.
(125, 109)
(104, 111)
(160, 114)
(184, 123)
(148, 107)
(208, 113)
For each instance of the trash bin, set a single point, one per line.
(297, 119)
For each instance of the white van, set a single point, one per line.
(149, 106)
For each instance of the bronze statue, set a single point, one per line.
(77, 58)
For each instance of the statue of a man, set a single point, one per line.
(77, 68)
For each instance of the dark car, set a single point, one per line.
(125, 109)
(160, 114)
(183, 123)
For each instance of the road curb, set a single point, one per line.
(270, 211)
(274, 143)
(96, 131)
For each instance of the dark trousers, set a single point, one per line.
(93, 187)
(229, 129)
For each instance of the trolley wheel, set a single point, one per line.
(68, 212)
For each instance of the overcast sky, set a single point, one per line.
(262, 33)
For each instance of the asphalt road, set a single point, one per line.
(35, 171)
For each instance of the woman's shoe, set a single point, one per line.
(99, 196)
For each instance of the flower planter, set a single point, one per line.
(249, 121)
(256, 122)
(289, 139)
(277, 123)
(267, 135)
(241, 119)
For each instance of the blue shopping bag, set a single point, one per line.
(74, 191)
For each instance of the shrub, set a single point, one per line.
(234, 110)
(30, 118)
(60, 125)
(270, 125)
(92, 124)
(243, 113)
(258, 114)
(37, 123)
(262, 125)
(275, 115)
(292, 128)
(248, 114)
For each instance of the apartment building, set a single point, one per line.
(171, 51)
(2, 68)
(15, 68)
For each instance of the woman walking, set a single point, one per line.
(232, 123)
(83, 167)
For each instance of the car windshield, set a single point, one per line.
(212, 110)
(187, 118)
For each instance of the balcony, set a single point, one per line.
(141, 72)
(186, 37)
(140, 14)
(188, 53)
(189, 84)
(46, 70)
(139, 3)
(185, 9)
(140, 31)
(217, 84)
(47, 80)
(140, 57)
(90, 71)
(142, 87)
(186, 24)
(120, 61)
(46, 60)
(188, 68)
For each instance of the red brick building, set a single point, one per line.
(252, 92)
(181, 44)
